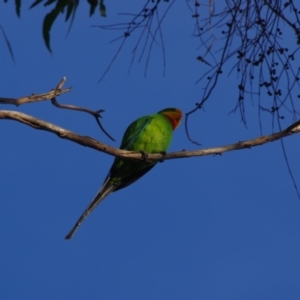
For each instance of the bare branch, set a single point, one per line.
(96, 113)
(36, 97)
(61, 132)
(94, 144)
(148, 22)
(52, 96)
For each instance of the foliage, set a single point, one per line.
(245, 36)
(67, 7)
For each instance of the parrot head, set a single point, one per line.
(174, 115)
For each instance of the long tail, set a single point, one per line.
(104, 191)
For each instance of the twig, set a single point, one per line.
(52, 96)
(34, 97)
(96, 113)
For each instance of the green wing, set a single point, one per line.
(133, 132)
(150, 134)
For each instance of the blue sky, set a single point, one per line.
(215, 227)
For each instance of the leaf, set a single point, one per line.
(7, 43)
(93, 4)
(35, 3)
(102, 8)
(18, 7)
(73, 10)
(69, 11)
(49, 20)
(52, 1)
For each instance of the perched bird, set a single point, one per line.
(149, 134)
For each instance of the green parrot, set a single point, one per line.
(149, 134)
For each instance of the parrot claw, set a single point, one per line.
(144, 155)
(163, 153)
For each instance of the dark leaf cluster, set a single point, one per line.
(57, 7)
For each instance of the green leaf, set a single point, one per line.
(102, 8)
(7, 44)
(35, 3)
(93, 5)
(49, 20)
(18, 7)
(52, 1)
(73, 10)
(69, 11)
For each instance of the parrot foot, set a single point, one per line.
(163, 153)
(144, 155)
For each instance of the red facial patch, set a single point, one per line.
(174, 116)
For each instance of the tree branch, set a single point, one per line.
(34, 97)
(92, 143)
(52, 96)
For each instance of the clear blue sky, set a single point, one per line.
(218, 227)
